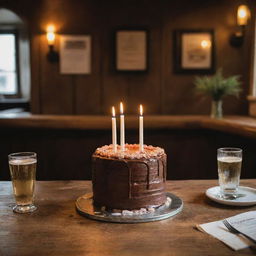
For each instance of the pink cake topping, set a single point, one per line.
(132, 151)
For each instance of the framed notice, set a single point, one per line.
(75, 54)
(194, 51)
(131, 50)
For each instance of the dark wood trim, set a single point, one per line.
(252, 28)
(35, 66)
(241, 125)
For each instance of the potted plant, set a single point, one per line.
(217, 87)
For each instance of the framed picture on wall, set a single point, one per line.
(75, 54)
(131, 50)
(194, 51)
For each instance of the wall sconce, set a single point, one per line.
(243, 15)
(52, 55)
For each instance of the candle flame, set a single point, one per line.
(121, 108)
(113, 111)
(141, 110)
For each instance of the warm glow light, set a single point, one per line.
(50, 35)
(121, 108)
(243, 14)
(141, 110)
(50, 28)
(113, 112)
(205, 44)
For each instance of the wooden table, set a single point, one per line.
(57, 229)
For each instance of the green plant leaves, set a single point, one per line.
(217, 86)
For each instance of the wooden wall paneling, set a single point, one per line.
(248, 57)
(56, 89)
(161, 90)
(114, 85)
(133, 88)
(232, 59)
(81, 92)
(252, 28)
(146, 88)
(178, 88)
(35, 102)
(88, 87)
(66, 154)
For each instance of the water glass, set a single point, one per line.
(229, 171)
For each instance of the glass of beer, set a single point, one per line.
(23, 173)
(229, 170)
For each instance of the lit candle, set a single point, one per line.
(122, 135)
(141, 129)
(114, 129)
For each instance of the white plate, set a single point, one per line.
(248, 196)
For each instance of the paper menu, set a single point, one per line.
(218, 230)
(245, 223)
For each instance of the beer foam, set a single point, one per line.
(22, 161)
(132, 151)
(230, 159)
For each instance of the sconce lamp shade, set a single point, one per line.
(52, 55)
(243, 15)
(50, 35)
(50, 38)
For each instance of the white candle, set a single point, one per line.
(141, 129)
(114, 129)
(122, 135)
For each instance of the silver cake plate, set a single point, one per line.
(84, 205)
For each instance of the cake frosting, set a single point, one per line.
(131, 152)
(129, 179)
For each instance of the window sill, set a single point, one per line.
(14, 103)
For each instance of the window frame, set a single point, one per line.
(17, 66)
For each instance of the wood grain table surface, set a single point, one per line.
(57, 229)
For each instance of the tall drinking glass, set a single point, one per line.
(23, 173)
(229, 170)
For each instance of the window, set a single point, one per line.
(8, 64)
(14, 59)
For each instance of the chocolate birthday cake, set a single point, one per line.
(129, 179)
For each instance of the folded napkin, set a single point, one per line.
(218, 230)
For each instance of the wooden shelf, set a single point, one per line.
(241, 125)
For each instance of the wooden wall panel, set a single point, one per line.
(180, 96)
(160, 89)
(88, 88)
(56, 89)
(140, 87)
(35, 102)
(66, 154)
